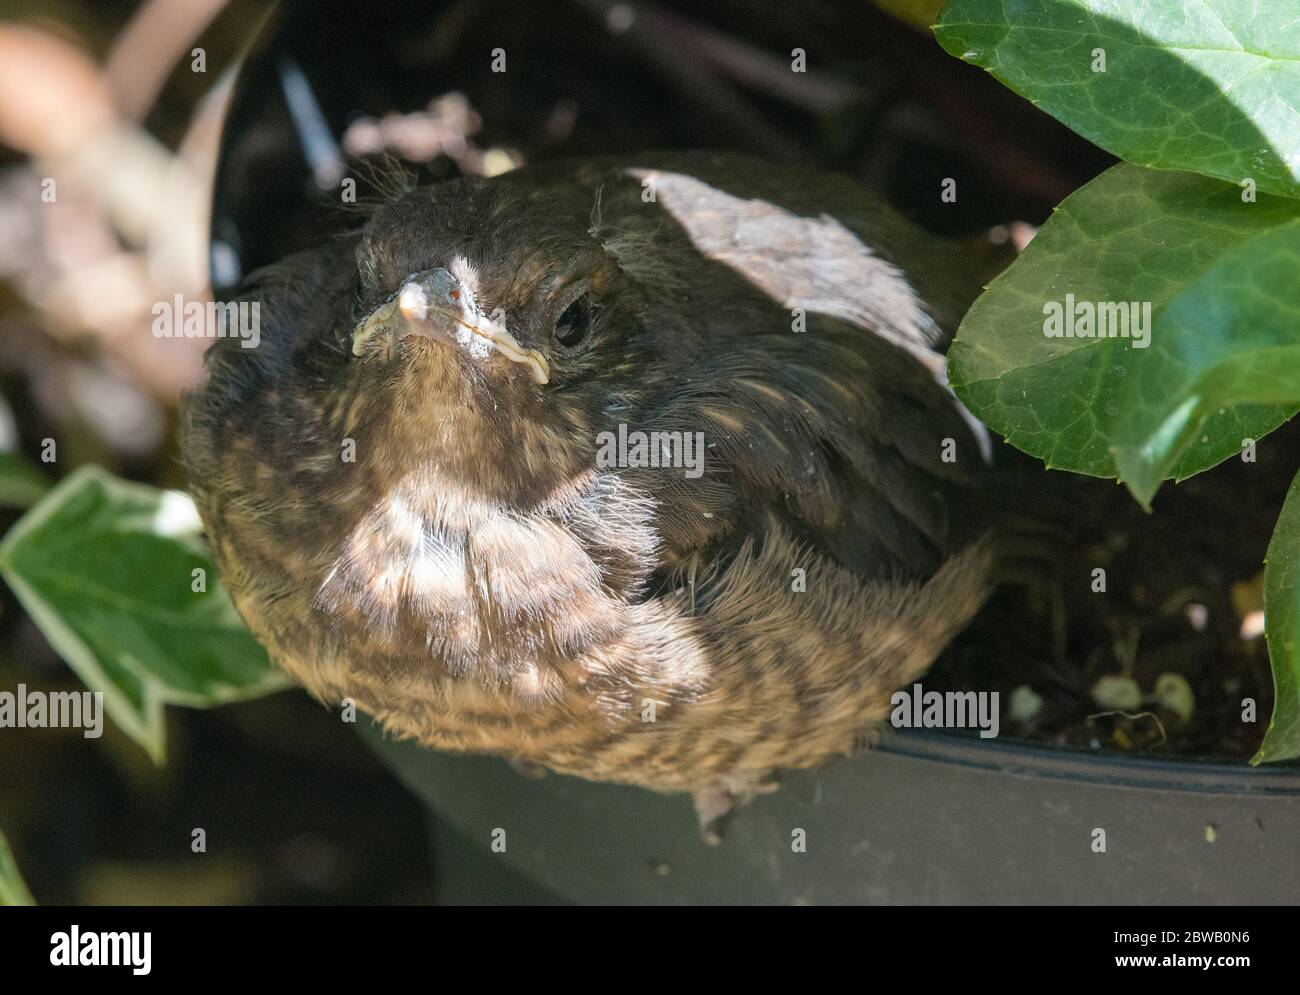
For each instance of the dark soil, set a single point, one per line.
(1180, 584)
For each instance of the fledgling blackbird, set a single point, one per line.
(441, 485)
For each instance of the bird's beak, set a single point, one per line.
(433, 304)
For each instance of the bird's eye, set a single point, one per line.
(571, 328)
(355, 312)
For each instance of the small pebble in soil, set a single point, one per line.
(1174, 694)
(1025, 704)
(1252, 626)
(1117, 692)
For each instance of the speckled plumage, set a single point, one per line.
(477, 582)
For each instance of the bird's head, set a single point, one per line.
(488, 331)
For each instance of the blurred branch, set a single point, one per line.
(145, 52)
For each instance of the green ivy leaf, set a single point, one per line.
(21, 483)
(1137, 235)
(1211, 86)
(106, 569)
(1231, 336)
(13, 890)
(1281, 611)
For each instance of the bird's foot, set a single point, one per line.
(715, 804)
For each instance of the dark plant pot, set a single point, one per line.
(927, 818)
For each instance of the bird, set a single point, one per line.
(636, 468)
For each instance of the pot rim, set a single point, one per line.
(1036, 760)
